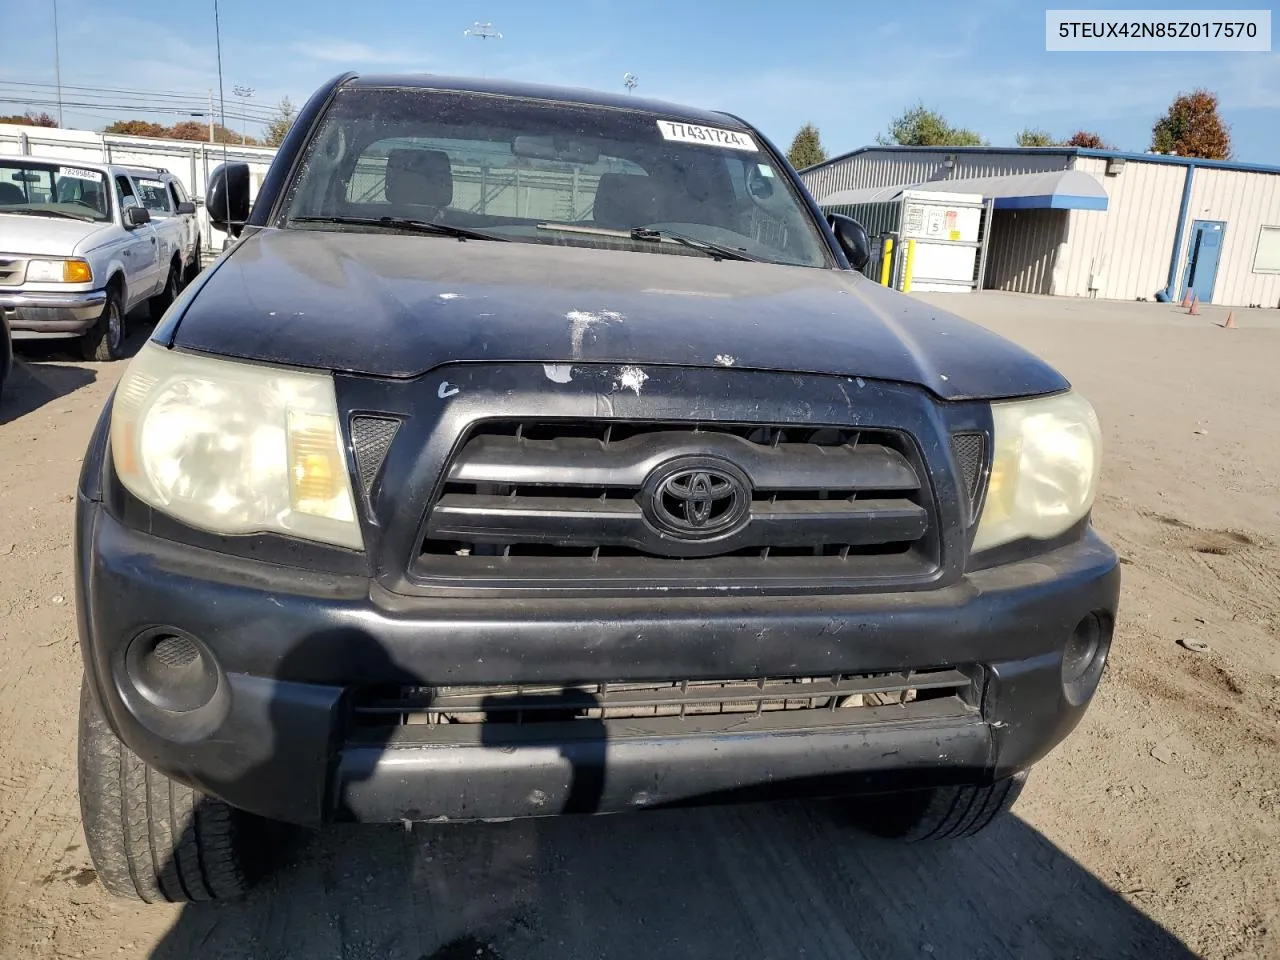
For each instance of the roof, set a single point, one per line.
(1060, 151)
(539, 91)
(59, 161)
(1053, 190)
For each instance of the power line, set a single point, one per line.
(203, 112)
(112, 98)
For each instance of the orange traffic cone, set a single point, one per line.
(1231, 322)
(1195, 307)
(1186, 299)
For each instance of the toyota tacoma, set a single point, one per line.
(535, 451)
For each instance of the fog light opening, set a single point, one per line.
(1085, 656)
(171, 670)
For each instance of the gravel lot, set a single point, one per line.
(1153, 832)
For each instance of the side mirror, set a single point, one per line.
(136, 216)
(227, 198)
(853, 239)
(186, 207)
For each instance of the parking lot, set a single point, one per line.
(1154, 831)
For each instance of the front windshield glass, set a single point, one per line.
(52, 190)
(550, 172)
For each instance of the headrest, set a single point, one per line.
(626, 200)
(11, 193)
(419, 178)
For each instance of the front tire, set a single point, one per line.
(941, 813)
(104, 341)
(160, 302)
(150, 837)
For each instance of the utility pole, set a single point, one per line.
(629, 81)
(211, 114)
(57, 61)
(244, 93)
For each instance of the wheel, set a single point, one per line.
(193, 269)
(160, 302)
(942, 813)
(150, 837)
(104, 341)
(6, 352)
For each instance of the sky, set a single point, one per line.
(847, 67)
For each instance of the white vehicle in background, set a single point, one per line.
(79, 249)
(164, 196)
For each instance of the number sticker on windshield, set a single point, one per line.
(75, 173)
(709, 136)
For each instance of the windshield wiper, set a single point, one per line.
(49, 213)
(719, 251)
(405, 223)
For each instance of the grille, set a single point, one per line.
(516, 705)
(12, 271)
(524, 498)
(370, 441)
(969, 450)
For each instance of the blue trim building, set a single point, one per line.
(1114, 225)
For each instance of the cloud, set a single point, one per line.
(333, 50)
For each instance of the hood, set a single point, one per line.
(44, 236)
(396, 306)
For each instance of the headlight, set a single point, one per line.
(1044, 470)
(234, 448)
(59, 271)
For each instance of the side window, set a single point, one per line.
(124, 192)
(179, 191)
(173, 196)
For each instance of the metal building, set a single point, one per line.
(1121, 226)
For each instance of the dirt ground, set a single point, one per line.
(1154, 831)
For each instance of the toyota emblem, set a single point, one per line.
(697, 498)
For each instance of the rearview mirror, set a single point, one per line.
(853, 239)
(136, 216)
(186, 207)
(563, 149)
(227, 198)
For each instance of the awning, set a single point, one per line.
(1055, 190)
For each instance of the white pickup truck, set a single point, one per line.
(82, 244)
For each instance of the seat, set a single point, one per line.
(626, 200)
(419, 179)
(11, 193)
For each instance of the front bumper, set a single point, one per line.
(36, 315)
(291, 647)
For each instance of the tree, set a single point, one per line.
(30, 119)
(1035, 137)
(806, 149)
(1193, 128)
(136, 128)
(194, 130)
(1087, 138)
(921, 127)
(286, 113)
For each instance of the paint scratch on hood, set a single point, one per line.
(725, 360)
(631, 378)
(581, 322)
(558, 372)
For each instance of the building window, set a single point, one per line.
(1267, 259)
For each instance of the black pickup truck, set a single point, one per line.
(537, 451)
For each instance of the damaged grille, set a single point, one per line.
(646, 500)
(524, 705)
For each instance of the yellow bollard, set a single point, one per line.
(906, 274)
(886, 261)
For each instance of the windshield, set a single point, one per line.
(44, 189)
(548, 172)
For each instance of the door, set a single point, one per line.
(1202, 258)
(141, 252)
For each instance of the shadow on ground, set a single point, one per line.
(47, 370)
(781, 880)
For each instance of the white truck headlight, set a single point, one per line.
(1044, 471)
(234, 448)
(74, 270)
